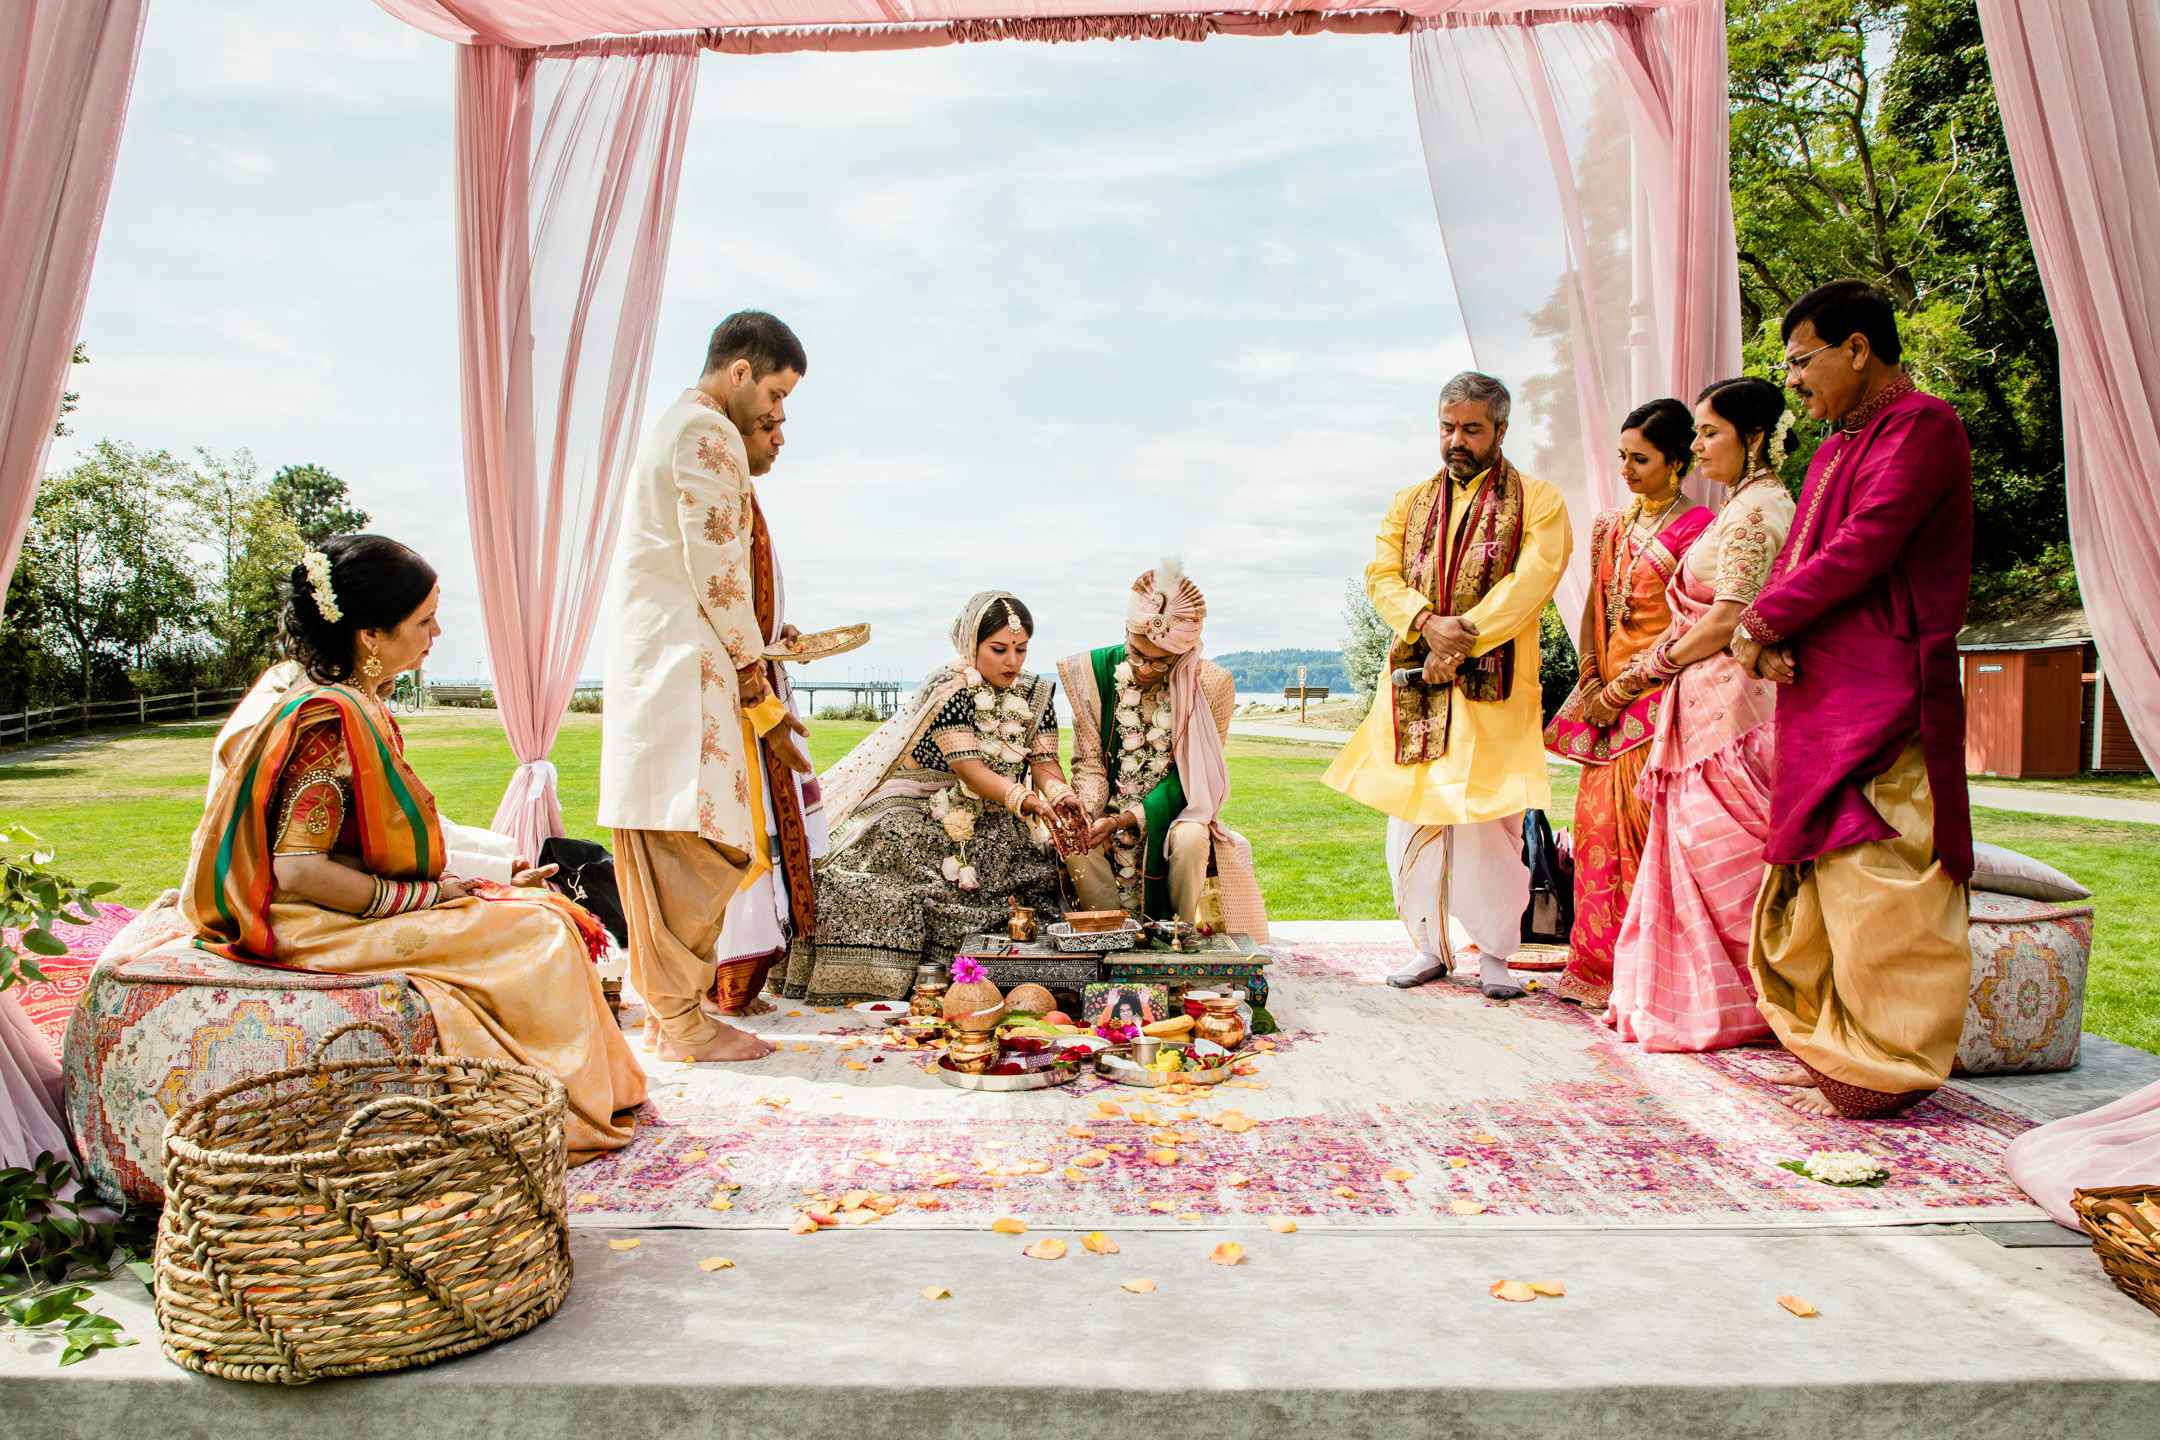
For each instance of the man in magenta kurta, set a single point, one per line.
(1860, 955)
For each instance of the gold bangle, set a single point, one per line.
(373, 909)
(1014, 797)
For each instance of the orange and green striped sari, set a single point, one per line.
(230, 883)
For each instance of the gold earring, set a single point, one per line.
(371, 667)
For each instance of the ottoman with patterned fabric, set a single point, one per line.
(156, 1030)
(2026, 1008)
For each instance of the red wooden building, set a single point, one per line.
(2037, 703)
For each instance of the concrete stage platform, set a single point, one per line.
(1973, 1332)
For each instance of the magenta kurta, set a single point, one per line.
(1870, 594)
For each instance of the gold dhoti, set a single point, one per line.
(507, 980)
(675, 891)
(1861, 957)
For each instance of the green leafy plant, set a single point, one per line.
(49, 1248)
(32, 899)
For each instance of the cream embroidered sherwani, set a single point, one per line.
(1455, 824)
(676, 763)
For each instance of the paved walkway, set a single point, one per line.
(2057, 802)
(1262, 730)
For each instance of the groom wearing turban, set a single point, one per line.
(1149, 721)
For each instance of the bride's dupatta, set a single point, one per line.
(229, 885)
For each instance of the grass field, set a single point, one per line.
(122, 809)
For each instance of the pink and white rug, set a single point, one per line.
(1380, 1109)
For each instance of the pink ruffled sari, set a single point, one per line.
(1680, 969)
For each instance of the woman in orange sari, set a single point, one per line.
(1608, 722)
(323, 851)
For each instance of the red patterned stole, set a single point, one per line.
(779, 780)
(1453, 574)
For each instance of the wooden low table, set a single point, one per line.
(1039, 962)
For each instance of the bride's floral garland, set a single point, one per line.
(1001, 727)
(1144, 758)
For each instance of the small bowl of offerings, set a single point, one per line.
(1178, 1059)
(1015, 1070)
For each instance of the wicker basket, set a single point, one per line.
(290, 1250)
(2127, 1243)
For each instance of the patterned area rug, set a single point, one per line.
(48, 1002)
(1379, 1108)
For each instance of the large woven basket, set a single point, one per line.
(355, 1215)
(2127, 1242)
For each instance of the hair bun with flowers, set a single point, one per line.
(317, 566)
(1779, 446)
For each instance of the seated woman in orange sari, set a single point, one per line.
(323, 851)
(1608, 722)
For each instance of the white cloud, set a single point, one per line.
(233, 162)
(1262, 360)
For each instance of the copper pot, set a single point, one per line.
(1021, 927)
(1220, 1021)
(973, 1052)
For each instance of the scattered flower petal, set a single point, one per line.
(1227, 1253)
(624, 1244)
(856, 1065)
(1139, 1287)
(1098, 1243)
(1398, 1175)
(1007, 1225)
(1191, 1215)
(936, 1292)
(803, 1225)
(1282, 1225)
(1548, 1287)
(693, 1155)
(1797, 1306)
(1163, 1205)
(1516, 1290)
(588, 1198)
(1050, 1249)
(716, 1262)
(1467, 1207)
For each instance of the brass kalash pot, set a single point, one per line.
(1219, 1020)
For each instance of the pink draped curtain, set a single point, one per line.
(567, 163)
(68, 66)
(2078, 82)
(1579, 171)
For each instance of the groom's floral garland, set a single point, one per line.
(1143, 760)
(1001, 727)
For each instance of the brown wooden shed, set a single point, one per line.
(2025, 695)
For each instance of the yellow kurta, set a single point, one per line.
(1495, 761)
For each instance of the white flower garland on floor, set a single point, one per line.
(1143, 758)
(1001, 725)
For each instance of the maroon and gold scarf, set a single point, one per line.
(779, 780)
(1453, 574)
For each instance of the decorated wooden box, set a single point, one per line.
(158, 1030)
(2026, 1007)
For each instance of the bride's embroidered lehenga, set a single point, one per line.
(509, 976)
(1626, 614)
(884, 901)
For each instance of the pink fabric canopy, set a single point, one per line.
(66, 66)
(566, 174)
(2079, 86)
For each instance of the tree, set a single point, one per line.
(1366, 641)
(1866, 141)
(108, 558)
(70, 398)
(252, 545)
(314, 500)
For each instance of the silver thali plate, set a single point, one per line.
(1063, 1073)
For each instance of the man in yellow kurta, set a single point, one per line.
(1461, 568)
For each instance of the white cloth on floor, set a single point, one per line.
(1471, 874)
(2117, 1144)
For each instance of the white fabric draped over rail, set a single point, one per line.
(567, 166)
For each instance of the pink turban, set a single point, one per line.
(1166, 608)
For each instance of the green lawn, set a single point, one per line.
(123, 809)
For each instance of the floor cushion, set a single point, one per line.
(2026, 1008)
(157, 1029)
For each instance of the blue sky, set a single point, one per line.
(1068, 308)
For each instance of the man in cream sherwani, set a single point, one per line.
(686, 698)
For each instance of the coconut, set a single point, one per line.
(1029, 1000)
(972, 993)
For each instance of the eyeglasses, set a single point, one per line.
(1799, 362)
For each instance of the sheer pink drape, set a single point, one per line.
(1578, 166)
(567, 166)
(2079, 86)
(66, 67)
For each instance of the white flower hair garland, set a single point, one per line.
(317, 566)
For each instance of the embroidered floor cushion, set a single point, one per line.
(2026, 1009)
(157, 1030)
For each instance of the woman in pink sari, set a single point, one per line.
(1608, 722)
(1681, 969)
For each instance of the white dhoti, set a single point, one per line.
(1473, 873)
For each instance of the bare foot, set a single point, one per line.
(717, 1010)
(1809, 1101)
(652, 1031)
(729, 1044)
(1797, 1078)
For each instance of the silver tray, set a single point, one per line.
(1043, 1079)
(1100, 942)
(1123, 1076)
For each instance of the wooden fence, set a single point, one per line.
(24, 725)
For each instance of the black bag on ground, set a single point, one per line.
(586, 873)
(1551, 916)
